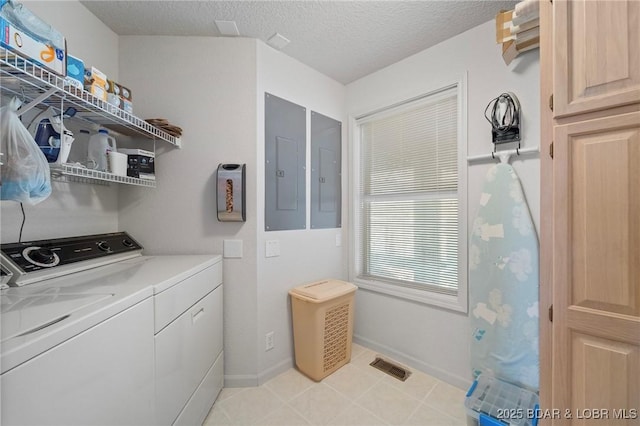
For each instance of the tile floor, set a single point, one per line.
(356, 394)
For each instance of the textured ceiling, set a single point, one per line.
(345, 40)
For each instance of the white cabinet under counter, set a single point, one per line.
(188, 341)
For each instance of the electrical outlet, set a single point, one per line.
(268, 341)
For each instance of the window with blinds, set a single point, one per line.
(408, 204)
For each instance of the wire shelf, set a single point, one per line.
(26, 80)
(59, 177)
(66, 172)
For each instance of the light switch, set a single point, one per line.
(232, 249)
(272, 248)
(338, 239)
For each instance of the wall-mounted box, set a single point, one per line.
(231, 193)
(285, 157)
(326, 172)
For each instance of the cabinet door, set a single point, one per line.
(185, 350)
(596, 268)
(597, 55)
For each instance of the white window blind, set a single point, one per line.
(408, 200)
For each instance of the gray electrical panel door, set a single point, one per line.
(326, 172)
(285, 156)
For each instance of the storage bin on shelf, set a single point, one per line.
(322, 326)
(495, 402)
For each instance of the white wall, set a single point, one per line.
(208, 87)
(219, 104)
(72, 209)
(305, 255)
(432, 339)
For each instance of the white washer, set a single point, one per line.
(86, 347)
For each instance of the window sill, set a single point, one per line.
(454, 303)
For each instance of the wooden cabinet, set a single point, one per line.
(590, 212)
(596, 55)
(596, 265)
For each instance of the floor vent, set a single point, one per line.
(391, 369)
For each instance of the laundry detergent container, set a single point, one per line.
(322, 326)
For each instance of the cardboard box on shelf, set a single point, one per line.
(118, 89)
(141, 162)
(137, 151)
(515, 29)
(125, 92)
(75, 71)
(126, 105)
(119, 102)
(93, 76)
(113, 99)
(68, 81)
(97, 90)
(511, 49)
(53, 59)
(113, 87)
(532, 43)
(503, 26)
(529, 34)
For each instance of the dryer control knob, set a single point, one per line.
(102, 245)
(43, 255)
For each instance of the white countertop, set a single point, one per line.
(74, 303)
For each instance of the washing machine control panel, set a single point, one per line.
(24, 258)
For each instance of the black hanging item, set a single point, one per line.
(504, 118)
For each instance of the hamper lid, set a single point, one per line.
(323, 290)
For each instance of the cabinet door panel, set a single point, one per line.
(596, 56)
(185, 351)
(590, 354)
(596, 267)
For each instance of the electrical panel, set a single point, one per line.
(326, 172)
(285, 156)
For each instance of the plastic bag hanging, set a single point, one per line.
(25, 173)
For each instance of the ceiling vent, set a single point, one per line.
(278, 41)
(228, 28)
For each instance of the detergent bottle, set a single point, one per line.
(99, 145)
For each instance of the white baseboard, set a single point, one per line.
(252, 380)
(240, 380)
(275, 370)
(455, 380)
